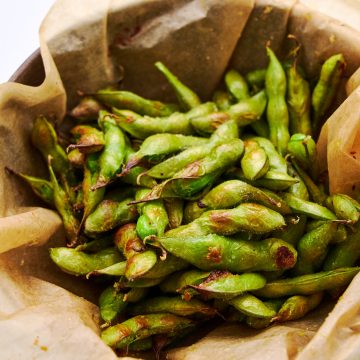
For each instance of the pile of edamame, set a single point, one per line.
(185, 212)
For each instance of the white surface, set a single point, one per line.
(20, 21)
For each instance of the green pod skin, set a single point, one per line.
(171, 166)
(344, 254)
(344, 208)
(159, 145)
(272, 180)
(276, 161)
(312, 248)
(175, 211)
(277, 112)
(76, 158)
(316, 193)
(179, 280)
(236, 85)
(199, 174)
(153, 218)
(255, 162)
(294, 230)
(173, 305)
(303, 148)
(127, 240)
(215, 252)
(233, 192)
(186, 97)
(41, 187)
(262, 323)
(222, 100)
(297, 307)
(299, 189)
(91, 199)
(326, 88)
(117, 269)
(340, 235)
(130, 101)
(139, 264)
(244, 113)
(88, 139)
(298, 98)
(113, 154)
(166, 267)
(308, 284)
(308, 208)
(192, 211)
(256, 79)
(78, 263)
(87, 109)
(142, 326)
(111, 304)
(63, 205)
(226, 286)
(140, 283)
(44, 138)
(142, 127)
(252, 306)
(108, 215)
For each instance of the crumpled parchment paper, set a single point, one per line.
(88, 44)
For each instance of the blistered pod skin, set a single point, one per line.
(187, 98)
(142, 326)
(136, 103)
(76, 158)
(127, 240)
(255, 162)
(215, 252)
(345, 208)
(88, 139)
(78, 263)
(308, 284)
(139, 264)
(294, 230)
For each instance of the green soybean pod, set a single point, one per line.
(215, 252)
(298, 189)
(111, 304)
(250, 305)
(312, 210)
(294, 230)
(87, 109)
(78, 263)
(326, 87)
(255, 162)
(175, 210)
(256, 79)
(187, 98)
(308, 284)
(298, 98)
(76, 158)
(346, 253)
(117, 269)
(277, 112)
(88, 139)
(345, 208)
(224, 285)
(173, 305)
(313, 247)
(222, 99)
(261, 323)
(142, 326)
(297, 307)
(131, 101)
(41, 187)
(236, 85)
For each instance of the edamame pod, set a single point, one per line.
(76, 158)
(294, 230)
(255, 162)
(215, 252)
(175, 210)
(297, 307)
(222, 100)
(142, 326)
(111, 304)
(308, 284)
(78, 263)
(127, 240)
(256, 79)
(88, 139)
(326, 87)
(131, 101)
(173, 305)
(87, 109)
(261, 323)
(252, 306)
(139, 264)
(236, 85)
(186, 97)
(345, 208)
(277, 112)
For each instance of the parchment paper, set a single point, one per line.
(87, 44)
